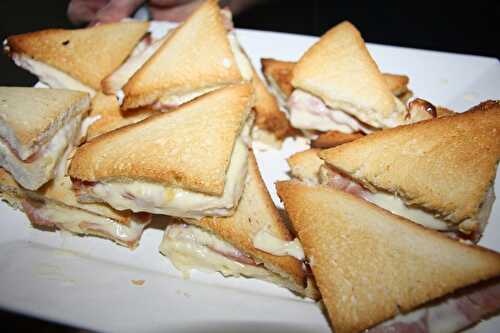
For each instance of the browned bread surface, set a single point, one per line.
(88, 55)
(256, 211)
(195, 56)
(34, 115)
(334, 138)
(189, 147)
(111, 117)
(370, 264)
(445, 165)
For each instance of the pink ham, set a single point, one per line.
(34, 214)
(449, 315)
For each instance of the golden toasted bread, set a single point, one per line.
(190, 147)
(369, 264)
(88, 55)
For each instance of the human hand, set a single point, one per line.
(95, 11)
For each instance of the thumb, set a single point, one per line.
(116, 10)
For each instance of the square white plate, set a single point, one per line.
(87, 281)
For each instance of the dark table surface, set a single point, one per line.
(462, 27)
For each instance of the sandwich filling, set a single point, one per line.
(450, 314)
(49, 75)
(472, 227)
(268, 243)
(191, 247)
(309, 112)
(44, 161)
(141, 196)
(142, 52)
(51, 214)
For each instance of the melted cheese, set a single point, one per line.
(137, 59)
(83, 222)
(173, 201)
(397, 206)
(33, 175)
(266, 242)
(309, 112)
(169, 101)
(189, 247)
(49, 75)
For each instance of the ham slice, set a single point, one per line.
(449, 315)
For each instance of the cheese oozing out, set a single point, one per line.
(32, 175)
(190, 247)
(142, 52)
(397, 206)
(309, 112)
(80, 221)
(140, 196)
(49, 75)
(271, 244)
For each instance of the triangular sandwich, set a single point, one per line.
(439, 173)
(37, 126)
(372, 266)
(254, 242)
(55, 205)
(197, 57)
(191, 162)
(76, 59)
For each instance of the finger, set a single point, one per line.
(175, 14)
(116, 10)
(80, 11)
(168, 3)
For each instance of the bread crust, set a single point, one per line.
(196, 55)
(257, 211)
(30, 117)
(111, 117)
(334, 138)
(305, 165)
(89, 55)
(60, 190)
(445, 165)
(281, 72)
(370, 264)
(190, 147)
(268, 116)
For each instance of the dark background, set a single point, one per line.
(470, 27)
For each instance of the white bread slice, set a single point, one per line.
(29, 117)
(63, 210)
(305, 166)
(189, 148)
(278, 73)
(445, 165)
(195, 58)
(36, 127)
(369, 264)
(339, 70)
(87, 55)
(255, 212)
(106, 110)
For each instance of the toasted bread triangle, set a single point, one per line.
(190, 147)
(281, 72)
(109, 116)
(370, 264)
(445, 165)
(195, 57)
(88, 55)
(257, 211)
(31, 116)
(340, 70)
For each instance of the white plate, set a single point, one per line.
(87, 282)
